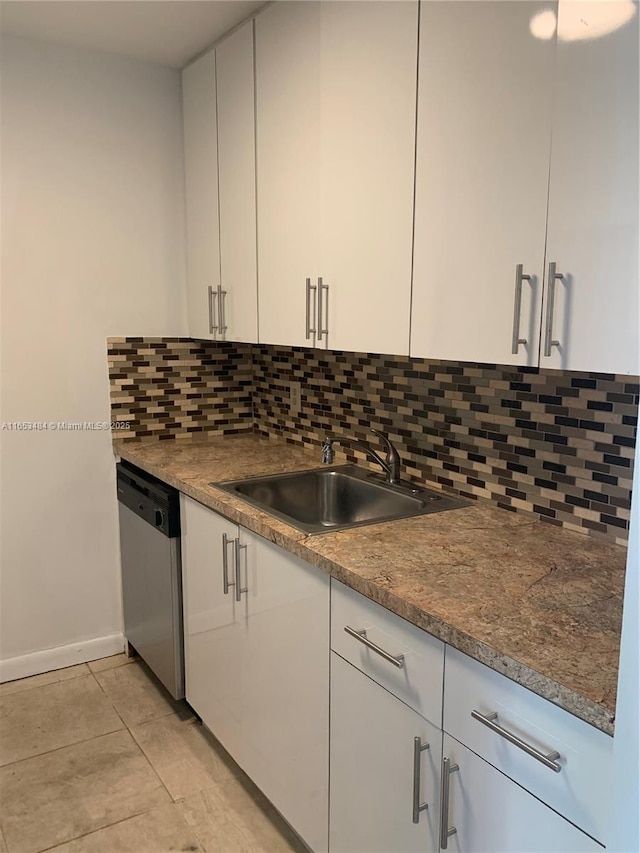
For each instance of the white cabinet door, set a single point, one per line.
(257, 662)
(288, 166)
(285, 675)
(237, 185)
(593, 192)
(490, 812)
(372, 769)
(335, 151)
(368, 108)
(201, 189)
(485, 99)
(212, 624)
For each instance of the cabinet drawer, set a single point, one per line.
(579, 790)
(416, 678)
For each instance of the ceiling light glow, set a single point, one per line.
(543, 25)
(581, 20)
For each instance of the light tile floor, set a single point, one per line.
(98, 758)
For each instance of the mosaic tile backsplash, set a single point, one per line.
(559, 444)
(173, 387)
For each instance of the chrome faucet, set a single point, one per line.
(390, 465)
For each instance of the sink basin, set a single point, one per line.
(337, 498)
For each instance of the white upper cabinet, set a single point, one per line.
(523, 105)
(201, 187)
(368, 102)
(237, 185)
(287, 157)
(335, 152)
(484, 132)
(593, 193)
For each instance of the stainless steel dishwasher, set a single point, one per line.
(149, 513)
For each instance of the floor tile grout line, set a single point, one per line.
(6, 694)
(86, 664)
(146, 758)
(113, 705)
(131, 735)
(64, 746)
(101, 828)
(111, 702)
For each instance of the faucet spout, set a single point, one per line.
(390, 465)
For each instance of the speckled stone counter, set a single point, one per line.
(539, 604)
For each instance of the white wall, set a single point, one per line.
(625, 826)
(92, 245)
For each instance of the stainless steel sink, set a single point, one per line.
(328, 499)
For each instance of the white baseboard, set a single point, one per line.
(58, 658)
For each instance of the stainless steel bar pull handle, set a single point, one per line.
(548, 326)
(418, 749)
(213, 327)
(548, 759)
(310, 330)
(517, 305)
(445, 830)
(225, 564)
(238, 584)
(361, 636)
(222, 319)
(323, 326)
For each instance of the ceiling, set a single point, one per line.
(168, 32)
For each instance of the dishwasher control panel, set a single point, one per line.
(154, 501)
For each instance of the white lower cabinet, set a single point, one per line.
(257, 662)
(485, 811)
(380, 775)
(257, 658)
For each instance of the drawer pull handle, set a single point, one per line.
(489, 720)
(445, 830)
(418, 749)
(361, 636)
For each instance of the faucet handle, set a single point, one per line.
(327, 450)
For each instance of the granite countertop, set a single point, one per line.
(537, 603)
